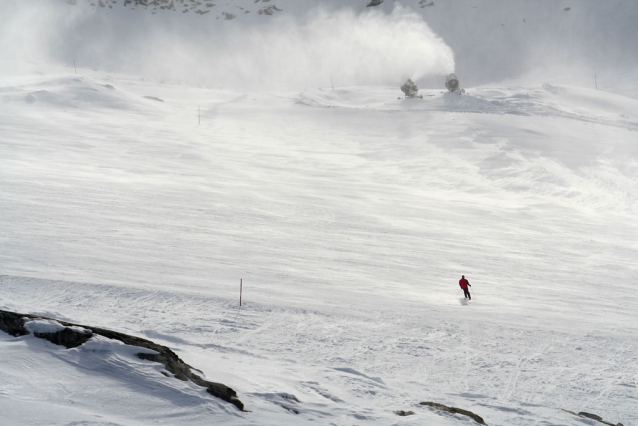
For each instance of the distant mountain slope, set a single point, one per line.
(260, 7)
(492, 40)
(282, 44)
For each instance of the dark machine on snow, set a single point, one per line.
(410, 89)
(374, 3)
(452, 84)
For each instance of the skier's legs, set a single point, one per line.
(467, 293)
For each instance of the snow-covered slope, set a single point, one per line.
(350, 215)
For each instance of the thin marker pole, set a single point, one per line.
(76, 70)
(596, 81)
(241, 285)
(332, 83)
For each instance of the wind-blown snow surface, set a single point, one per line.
(350, 215)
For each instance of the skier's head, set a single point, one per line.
(462, 276)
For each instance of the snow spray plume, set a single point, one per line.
(29, 29)
(283, 52)
(368, 49)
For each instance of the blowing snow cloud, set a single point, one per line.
(286, 51)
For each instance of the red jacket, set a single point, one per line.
(463, 283)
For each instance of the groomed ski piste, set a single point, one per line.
(350, 215)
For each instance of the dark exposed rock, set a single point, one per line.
(374, 3)
(68, 337)
(592, 416)
(454, 410)
(269, 10)
(185, 6)
(597, 418)
(292, 410)
(403, 413)
(13, 324)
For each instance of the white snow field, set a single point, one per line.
(350, 215)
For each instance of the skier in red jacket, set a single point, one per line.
(464, 283)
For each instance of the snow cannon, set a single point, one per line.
(452, 83)
(410, 89)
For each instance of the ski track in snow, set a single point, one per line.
(350, 215)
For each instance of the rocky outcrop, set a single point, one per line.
(403, 413)
(12, 324)
(74, 335)
(269, 10)
(478, 419)
(67, 337)
(185, 6)
(593, 417)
